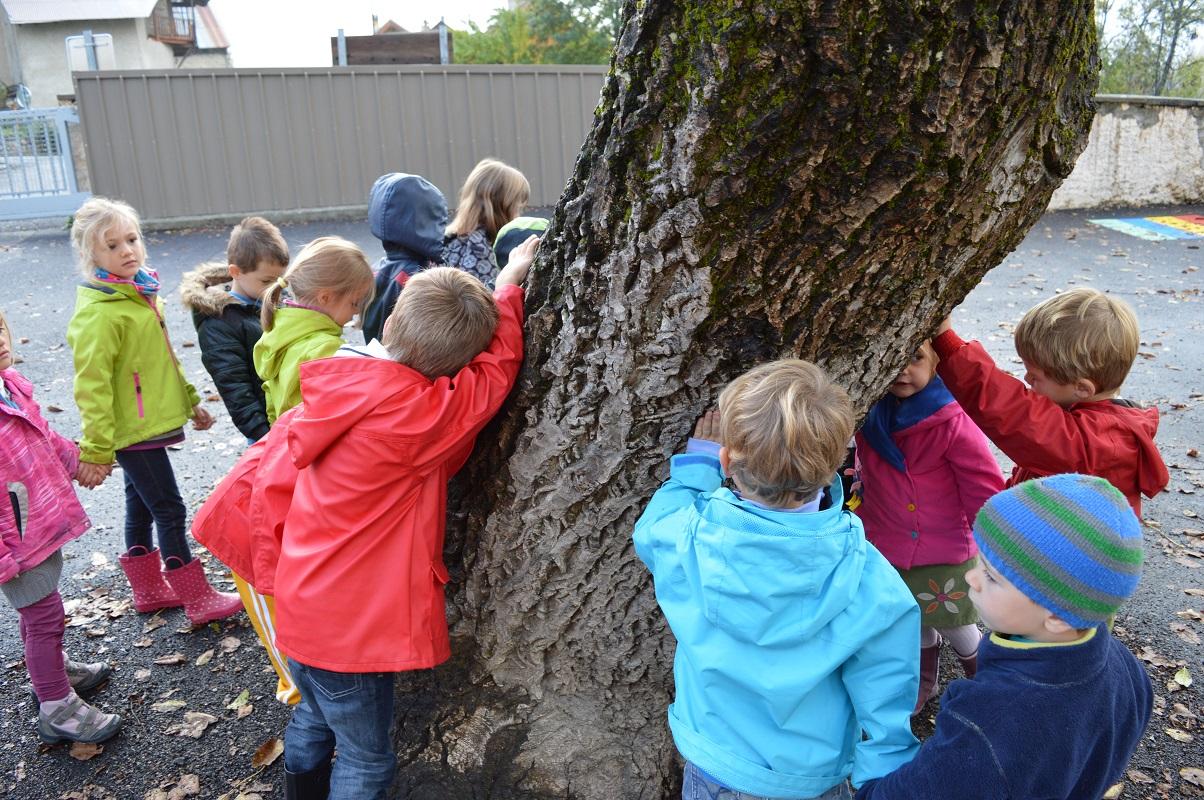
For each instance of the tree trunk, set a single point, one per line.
(814, 179)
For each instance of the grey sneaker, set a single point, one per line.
(86, 677)
(73, 720)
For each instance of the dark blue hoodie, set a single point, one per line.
(408, 214)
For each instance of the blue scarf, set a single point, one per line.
(891, 415)
(145, 281)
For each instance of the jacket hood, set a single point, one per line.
(339, 392)
(408, 214)
(815, 574)
(203, 290)
(289, 327)
(938, 417)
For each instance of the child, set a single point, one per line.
(322, 527)
(796, 640)
(133, 402)
(304, 313)
(492, 195)
(1058, 705)
(514, 233)
(40, 514)
(408, 214)
(224, 300)
(925, 470)
(1077, 348)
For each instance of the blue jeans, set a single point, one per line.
(349, 710)
(697, 785)
(152, 497)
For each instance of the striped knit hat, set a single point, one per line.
(1070, 543)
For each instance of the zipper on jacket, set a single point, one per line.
(138, 393)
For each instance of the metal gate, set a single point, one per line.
(37, 171)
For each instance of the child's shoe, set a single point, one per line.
(312, 785)
(930, 669)
(202, 603)
(145, 575)
(73, 720)
(86, 677)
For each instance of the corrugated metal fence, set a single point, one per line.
(201, 143)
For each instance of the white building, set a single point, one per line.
(128, 34)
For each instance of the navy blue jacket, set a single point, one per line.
(408, 214)
(1038, 722)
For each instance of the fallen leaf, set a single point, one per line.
(1114, 791)
(1190, 613)
(229, 644)
(1147, 654)
(1194, 592)
(1137, 776)
(1193, 453)
(99, 560)
(85, 750)
(145, 641)
(54, 409)
(153, 623)
(245, 711)
(173, 660)
(193, 726)
(1193, 775)
(239, 701)
(142, 675)
(1185, 633)
(165, 706)
(204, 658)
(267, 752)
(1179, 736)
(1183, 677)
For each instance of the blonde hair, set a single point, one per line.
(253, 241)
(94, 219)
(492, 195)
(442, 320)
(786, 427)
(1082, 333)
(329, 263)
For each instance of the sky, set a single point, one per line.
(286, 33)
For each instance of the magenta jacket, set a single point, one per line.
(923, 516)
(37, 466)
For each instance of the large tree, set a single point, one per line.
(821, 179)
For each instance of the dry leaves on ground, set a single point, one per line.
(84, 751)
(187, 785)
(193, 726)
(267, 752)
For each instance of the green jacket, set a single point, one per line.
(297, 335)
(129, 385)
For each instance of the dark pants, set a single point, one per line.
(152, 497)
(350, 710)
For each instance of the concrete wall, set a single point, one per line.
(43, 54)
(1142, 151)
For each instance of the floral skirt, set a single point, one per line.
(942, 593)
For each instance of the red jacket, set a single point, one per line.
(359, 539)
(1105, 438)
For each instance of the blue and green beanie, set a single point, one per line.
(1070, 543)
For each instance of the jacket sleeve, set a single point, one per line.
(977, 474)
(381, 306)
(1031, 429)
(955, 763)
(690, 475)
(95, 346)
(224, 355)
(882, 680)
(478, 390)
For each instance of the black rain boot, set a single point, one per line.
(312, 785)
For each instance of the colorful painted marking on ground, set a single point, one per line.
(1157, 229)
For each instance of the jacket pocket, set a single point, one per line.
(138, 394)
(439, 572)
(18, 497)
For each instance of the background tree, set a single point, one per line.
(1151, 47)
(543, 32)
(819, 179)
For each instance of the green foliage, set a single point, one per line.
(1151, 47)
(543, 32)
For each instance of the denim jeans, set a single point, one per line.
(697, 785)
(151, 496)
(349, 710)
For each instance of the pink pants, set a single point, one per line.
(42, 627)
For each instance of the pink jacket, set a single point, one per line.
(924, 516)
(36, 465)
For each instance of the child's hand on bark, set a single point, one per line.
(707, 427)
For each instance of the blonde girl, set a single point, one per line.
(133, 402)
(493, 195)
(303, 315)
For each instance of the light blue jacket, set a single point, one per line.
(794, 638)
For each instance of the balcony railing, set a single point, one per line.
(173, 24)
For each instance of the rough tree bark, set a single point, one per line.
(822, 179)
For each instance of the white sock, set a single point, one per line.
(964, 638)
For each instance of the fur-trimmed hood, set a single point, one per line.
(205, 290)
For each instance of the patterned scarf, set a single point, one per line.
(145, 281)
(891, 415)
